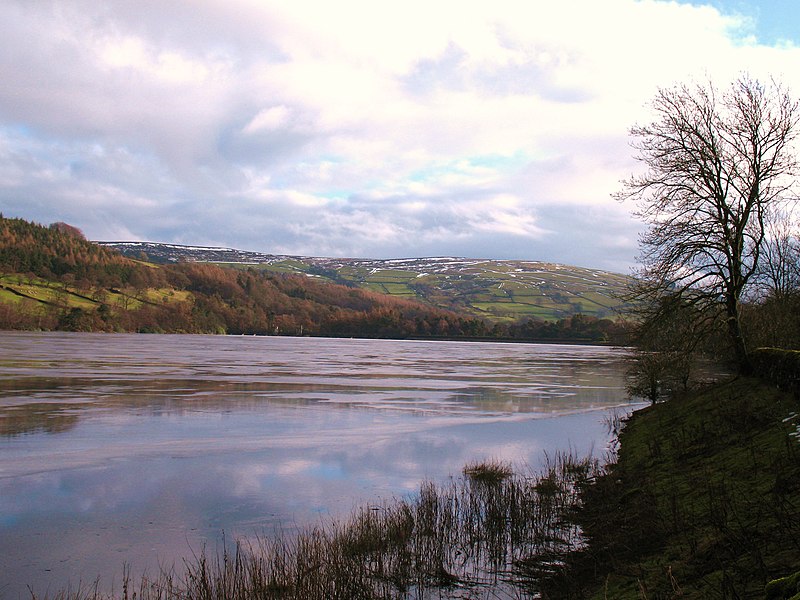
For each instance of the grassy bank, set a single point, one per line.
(704, 501)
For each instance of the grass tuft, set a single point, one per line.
(490, 472)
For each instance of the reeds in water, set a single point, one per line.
(490, 533)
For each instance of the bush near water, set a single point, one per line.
(782, 367)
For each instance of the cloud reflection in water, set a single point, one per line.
(148, 455)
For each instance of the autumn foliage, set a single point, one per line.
(217, 299)
(92, 288)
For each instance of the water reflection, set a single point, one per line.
(35, 417)
(67, 379)
(135, 448)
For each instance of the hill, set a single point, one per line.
(52, 278)
(498, 290)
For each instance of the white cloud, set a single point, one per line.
(269, 119)
(503, 222)
(349, 128)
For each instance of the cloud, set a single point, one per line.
(349, 129)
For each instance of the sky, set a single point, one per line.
(357, 128)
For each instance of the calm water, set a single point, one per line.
(141, 449)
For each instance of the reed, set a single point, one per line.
(489, 533)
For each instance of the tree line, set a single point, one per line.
(206, 298)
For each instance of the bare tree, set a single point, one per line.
(716, 163)
(780, 269)
(773, 310)
(667, 346)
(68, 230)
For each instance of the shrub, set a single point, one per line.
(781, 367)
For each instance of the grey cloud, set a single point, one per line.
(264, 147)
(120, 150)
(601, 237)
(528, 78)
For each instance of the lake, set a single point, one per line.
(137, 449)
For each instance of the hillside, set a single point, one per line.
(52, 278)
(498, 290)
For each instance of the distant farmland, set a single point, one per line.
(500, 290)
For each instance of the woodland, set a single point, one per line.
(54, 279)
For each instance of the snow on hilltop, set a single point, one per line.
(494, 288)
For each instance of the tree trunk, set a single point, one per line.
(740, 354)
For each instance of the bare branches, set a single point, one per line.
(717, 166)
(779, 271)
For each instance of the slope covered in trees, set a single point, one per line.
(52, 278)
(501, 291)
(55, 252)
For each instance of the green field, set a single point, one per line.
(500, 290)
(42, 293)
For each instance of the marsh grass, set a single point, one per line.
(486, 534)
(488, 472)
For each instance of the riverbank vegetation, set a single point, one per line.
(700, 502)
(490, 532)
